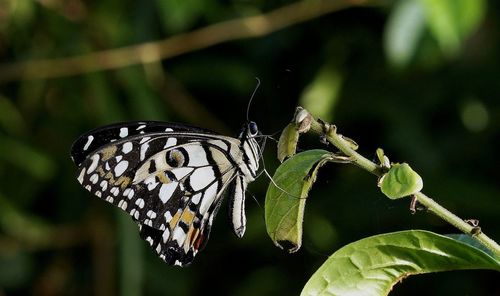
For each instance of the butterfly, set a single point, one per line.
(170, 178)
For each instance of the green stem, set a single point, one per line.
(456, 221)
(345, 147)
(330, 133)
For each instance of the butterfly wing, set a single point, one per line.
(97, 138)
(170, 182)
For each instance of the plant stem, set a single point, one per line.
(155, 51)
(330, 133)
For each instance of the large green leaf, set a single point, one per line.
(284, 207)
(372, 266)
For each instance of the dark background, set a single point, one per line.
(437, 109)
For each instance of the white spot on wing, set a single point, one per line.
(170, 142)
(201, 177)
(168, 216)
(197, 155)
(104, 185)
(120, 168)
(94, 178)
(127, 147)
(179, 235)
(123, 132)
(166, 235)
(151, 214)
(196, 198)
(219, 144)
(151, 182)
(89, 141)
(166, 191)
(208, 198)
(126, 191)
(114, 191)
(144, 148)
(122, 204)
(130, 194)
(95, 160)
(141, 126)
(144, 140)
(82, 173)
(140, 203)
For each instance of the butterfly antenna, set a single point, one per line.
(251, 98)
(270, 136)
(262, 210)
(271, 178)
(257, 201)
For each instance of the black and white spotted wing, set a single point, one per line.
(170, 178)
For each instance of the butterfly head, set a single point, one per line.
(250, 130)
(253, 130)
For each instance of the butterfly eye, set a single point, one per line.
(252, 128)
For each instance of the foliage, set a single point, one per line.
(285, 202)
(372, 266)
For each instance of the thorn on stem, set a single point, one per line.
(475, 231)
(472, 222)
(415, 205)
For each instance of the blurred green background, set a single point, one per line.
(419, 78)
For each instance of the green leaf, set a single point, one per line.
(400, 181)
(372, 266)
(284, 206)
(287, 143)
(451, 21)
(468, 239)
(383, 159)
(404, 31)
